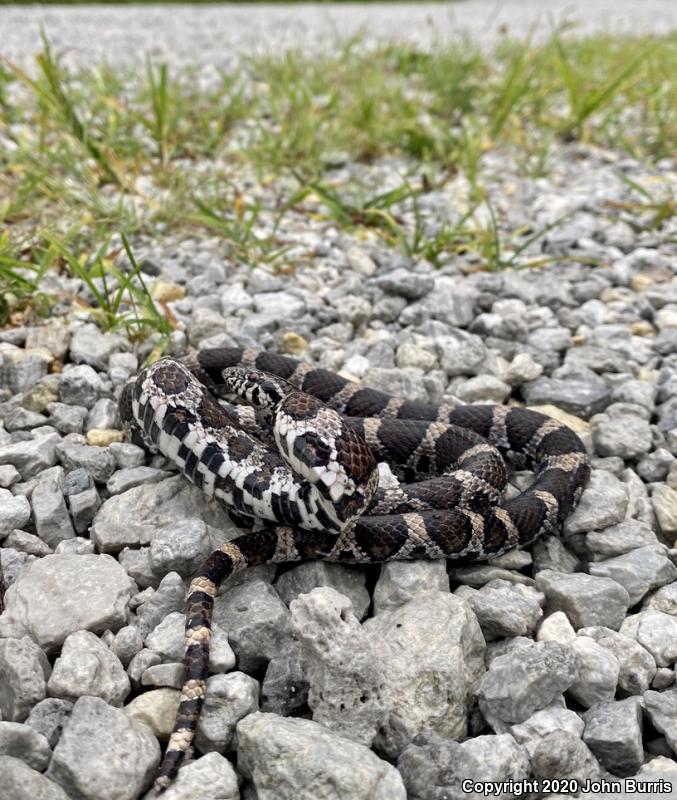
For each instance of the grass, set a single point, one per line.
(86, 157)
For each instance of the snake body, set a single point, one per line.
(298, 466)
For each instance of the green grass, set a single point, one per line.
(86, 156)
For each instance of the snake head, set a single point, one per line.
(257, 388)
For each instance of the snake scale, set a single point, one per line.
(296, 464)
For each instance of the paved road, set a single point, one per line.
(217, 34)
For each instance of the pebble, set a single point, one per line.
(67, 418)
(541, 723)
(87, 667)
(503, 608)
(15, 511)
(524, 681)
(31, 456)
(48, 718)
(585, 599)
(167, 640)
(639, 571)
(21, 741)
(613, 731)
(562, 756)
(637, 666)
(229, 699)
(598, 674)
(604, 502)
(349, 582)
(656, 632)
(103, 754)
(60, 594)
(256, 620)
(432, 650)
(156, 709)
(283, 756)
(207, 778)
(80, 386)
(25, 670)
(50, 514)
(19, 782)
(98, 462)
(402, 581)
(664, 501)
(341, 662)
(661, 708)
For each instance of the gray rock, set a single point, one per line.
(9, 475)
(556, 628)
(27, 543)
(89, 345)
(256, 620)
(656, 466)
(26, 370)
(664, 501)
(24, 669)
(128, 478)
(210, 777)
(585, 599)
(665, 599)
(167, 640)
(461, 353)
(48, 718)
(280, 305)
(604, 502)
(598, 674)
(181, 547)
(637, 665)
(656, 632)
(525, 680)
(613, 731)
(127, 642)
(626, 436)
(503, 608)
(347, 691)
(31, 456)
(20, 782)
(127, 455)
(20, 419)
(14, 512)
(621, 538)
(435, 768)
(80, 386)
(229, 698)
(53, 336)
(561, 755)
(639, 571)
(663, 678)
(87, 667)
(79, 546)
(451, 301)
(103, 755)
(404, 382)
(59, 594)
(52, 521)
(67, 418)
(170, 675)
(77, 481)
(138, 515)
(284, 756)
(483, 389)
(169, 596)
(103, 415)
(285, 688)
(84, 506)
(432, 651)
(142, 661)
(98, 461)
(533, 730)
(402, 581)
(582, 397)
(346, 580)
(404, 283)
(21, 741)
(662, 710)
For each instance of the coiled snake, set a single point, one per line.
(298, 465)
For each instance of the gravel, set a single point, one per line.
(216, 35)
(557, 661)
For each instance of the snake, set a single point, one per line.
(295, 462)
